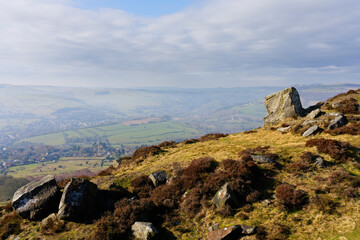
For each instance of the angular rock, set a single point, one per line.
(283, 129)
(116, 163)
(261, 159)
(311, 131)
(78, 200)
(158, 178)
(315, 113)
(37, 199)
(225, 196)
(231, 233)
(143, 230)
(338, 122)
(320, 162)
(283, 104)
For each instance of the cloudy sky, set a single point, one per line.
(179, 43)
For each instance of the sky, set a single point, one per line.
(179, 43)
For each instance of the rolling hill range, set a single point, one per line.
(29, 111)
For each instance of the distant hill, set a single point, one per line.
(29, 111)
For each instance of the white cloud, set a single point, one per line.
(219, 43)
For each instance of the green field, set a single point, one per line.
(62, 167)
(120, 134)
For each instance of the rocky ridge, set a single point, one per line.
(271, 171)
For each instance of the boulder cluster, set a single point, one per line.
(286, 105)
(43, 197)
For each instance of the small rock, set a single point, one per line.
(214, 227)
(266, 202)
(116, 163)
(283, 129)
(78, 200)
(143, 230)
(311, 131)
(332, 114)
(171, 180)
(320, 162)
(338, 122)
(336, 105)
(261, 159)
(51, 218)
(315, 113)
(248, 230)
(225, 196)
(37, 199)
(158, 178)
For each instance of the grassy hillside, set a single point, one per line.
(64, 166)
(120, 134)
(307, 201)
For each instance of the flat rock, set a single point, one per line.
(78, 200)
(332, 114)
(283, 129)
(158, 178)
(283, 104)
(339, 121)
(315, 113)
(261, 159)
(266, 202)
(143, 230)
(311, 131)
(37, 199)
(225, 196)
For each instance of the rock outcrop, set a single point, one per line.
(143, 230)
(283, 104)
(37, 199)
(78, 200)
(225, 196)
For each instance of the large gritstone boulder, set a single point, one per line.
(78, 200)
(37, 199)
(283, 104)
